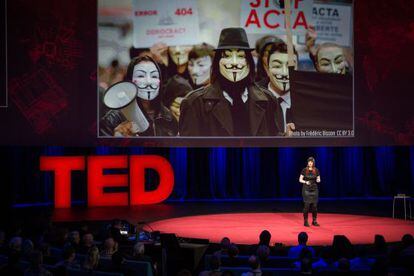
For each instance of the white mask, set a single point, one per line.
(278, 71)
(199, 70)
(331, 60)
(233, 65)
(147, 79)
(179, 54)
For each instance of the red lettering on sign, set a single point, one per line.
(253, 19)
(63, 167)
(266, 19)
(300, 20)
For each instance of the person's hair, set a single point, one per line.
(225, 243)
(379, 242)
(325, 45)
(342, 247)
(92, 258)
(201, 50)
(254, 262)
(265, 237)
(302, 238)
(68, 251)
(215, 67)
(263, 252)
(139, 249)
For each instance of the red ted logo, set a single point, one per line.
(62, 166)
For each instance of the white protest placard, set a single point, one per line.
(268, 16)
(174, 22)
(333, 23)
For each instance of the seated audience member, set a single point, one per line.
(294, 251)
(138, 253)
(109, 248)
(342, 247)
(224, 247)
(263, 253)
(74, 240)
(199, 64)
(35, 268)
(214, 264)
(254, 264)
(69, 255)
(325, 259)
(12, 267)
(380, 247)
(15, 244)
(92, 259)
(362, 261)
(264, 239)
(47, 257)
(115, 230)
(87, 243)
(27, 249)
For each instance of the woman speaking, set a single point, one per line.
(309, 177)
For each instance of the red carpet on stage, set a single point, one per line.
(244, 228)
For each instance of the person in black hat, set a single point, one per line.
(309, 177)
(232, 105)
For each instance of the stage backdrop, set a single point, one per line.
(52, 74)
(226, 174)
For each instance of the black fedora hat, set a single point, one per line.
(233, 38)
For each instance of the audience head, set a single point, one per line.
(342, 247)
(88, 239)
(139, 249)
(254, 262)
(303, 238)
(407, 240)
(110, 245)
(15, 244)
(379, 242)
(264, 238)
(74, 237)
(225, 243)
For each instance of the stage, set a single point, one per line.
(242, 221)
(244, 228)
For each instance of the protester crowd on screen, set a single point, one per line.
(172, 79)
(86, 248)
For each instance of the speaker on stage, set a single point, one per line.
(122, 96)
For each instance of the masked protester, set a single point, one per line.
(199, 64)
(261, 45)
(178, 61)
(232, 105)
(330, 58)
(310, 178)
(277, 81)
(145, 73)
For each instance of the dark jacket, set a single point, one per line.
(206, 112)
(164, 123)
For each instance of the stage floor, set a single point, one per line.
(244, 228)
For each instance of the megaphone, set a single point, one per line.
(122, 96)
